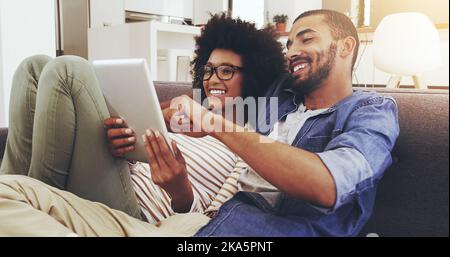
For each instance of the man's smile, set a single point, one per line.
(300, 66)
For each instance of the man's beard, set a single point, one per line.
(315, 79)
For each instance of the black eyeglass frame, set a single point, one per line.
(215, 71)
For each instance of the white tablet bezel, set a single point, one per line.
(130, 94)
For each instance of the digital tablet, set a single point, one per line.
(130, 94)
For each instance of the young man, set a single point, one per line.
(318, 179)
(333, 144)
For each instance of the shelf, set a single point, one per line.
(175, 28)
(141, 40)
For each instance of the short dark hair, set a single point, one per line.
(261, 53)
(340, 25)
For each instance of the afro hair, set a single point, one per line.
(261, 53)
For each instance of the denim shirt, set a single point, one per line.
(353, 138)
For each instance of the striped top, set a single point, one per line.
(212, 170)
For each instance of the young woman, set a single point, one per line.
(57, 132)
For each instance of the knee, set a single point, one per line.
(13, 187)
(68, 64)
(34, 65)
(13, 179)
(64, 70)
(36, 61)
(7, 182)
(18, 180)
(17, 183)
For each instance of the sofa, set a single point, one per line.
(413, 196)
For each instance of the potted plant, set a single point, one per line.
(280, 21)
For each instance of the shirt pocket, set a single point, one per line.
(316, 144)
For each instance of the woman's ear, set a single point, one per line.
(347, 47)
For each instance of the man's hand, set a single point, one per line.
(169, 170)
(186, 116)
(121, 138)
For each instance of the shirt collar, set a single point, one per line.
(297, 99)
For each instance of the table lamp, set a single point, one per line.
(406, 44)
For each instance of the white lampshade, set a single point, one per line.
(406, 44)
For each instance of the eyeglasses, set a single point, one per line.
(223, 72)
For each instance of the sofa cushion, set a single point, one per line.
(169, 90)
(413, 196)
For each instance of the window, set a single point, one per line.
(249, 10)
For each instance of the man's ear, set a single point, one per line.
(347, 47)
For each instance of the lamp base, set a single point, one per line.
(418, 83)
(394, 82)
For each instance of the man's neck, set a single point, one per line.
(330, 93)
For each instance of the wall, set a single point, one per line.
(75, 23)
(174, 8)
(342, 6)
(292, 8)
(436, 10)
(202, 8)
(113, 15)
(351, 9)
(250, 10)
(27, 27)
